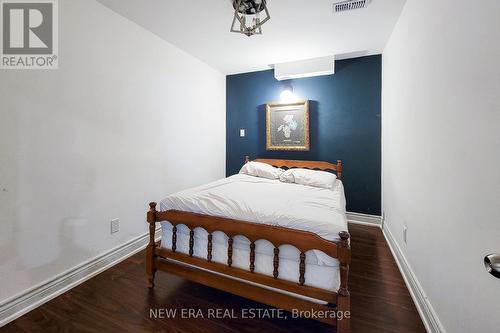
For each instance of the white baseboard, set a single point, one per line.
(18, 305)
(364, 219)
(424, 307)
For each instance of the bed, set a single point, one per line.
(285, 245)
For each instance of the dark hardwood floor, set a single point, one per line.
(118, 300)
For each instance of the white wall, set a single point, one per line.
(127, 119)
(441, 153)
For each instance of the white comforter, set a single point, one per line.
(271, 202)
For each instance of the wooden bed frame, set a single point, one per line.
(195, 269)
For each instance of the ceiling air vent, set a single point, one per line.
(349, 5)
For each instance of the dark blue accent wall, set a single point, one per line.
(344, 123)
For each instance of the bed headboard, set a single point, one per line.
(315, 165)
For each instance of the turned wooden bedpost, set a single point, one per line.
(150, 249)
(247, 159)
(343, 296)
(339, 169)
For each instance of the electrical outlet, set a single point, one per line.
(115, 226)
(405, 233)
(242, 133)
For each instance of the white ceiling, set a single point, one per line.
(298, 29)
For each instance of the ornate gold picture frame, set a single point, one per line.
(287, 126)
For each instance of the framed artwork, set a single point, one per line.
(287, 126)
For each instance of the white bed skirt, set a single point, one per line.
(320, 276)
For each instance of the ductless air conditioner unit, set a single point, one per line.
(305, 68)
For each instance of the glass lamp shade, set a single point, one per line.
(249, 11)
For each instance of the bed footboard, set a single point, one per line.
(195, 269)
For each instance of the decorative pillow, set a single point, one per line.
(308, 177)
(287, 176)
(262, 170)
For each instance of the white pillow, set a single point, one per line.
(308, 177)
(263, 170)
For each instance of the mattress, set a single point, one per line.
(265, 201)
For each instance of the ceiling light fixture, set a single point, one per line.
(247, 18)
